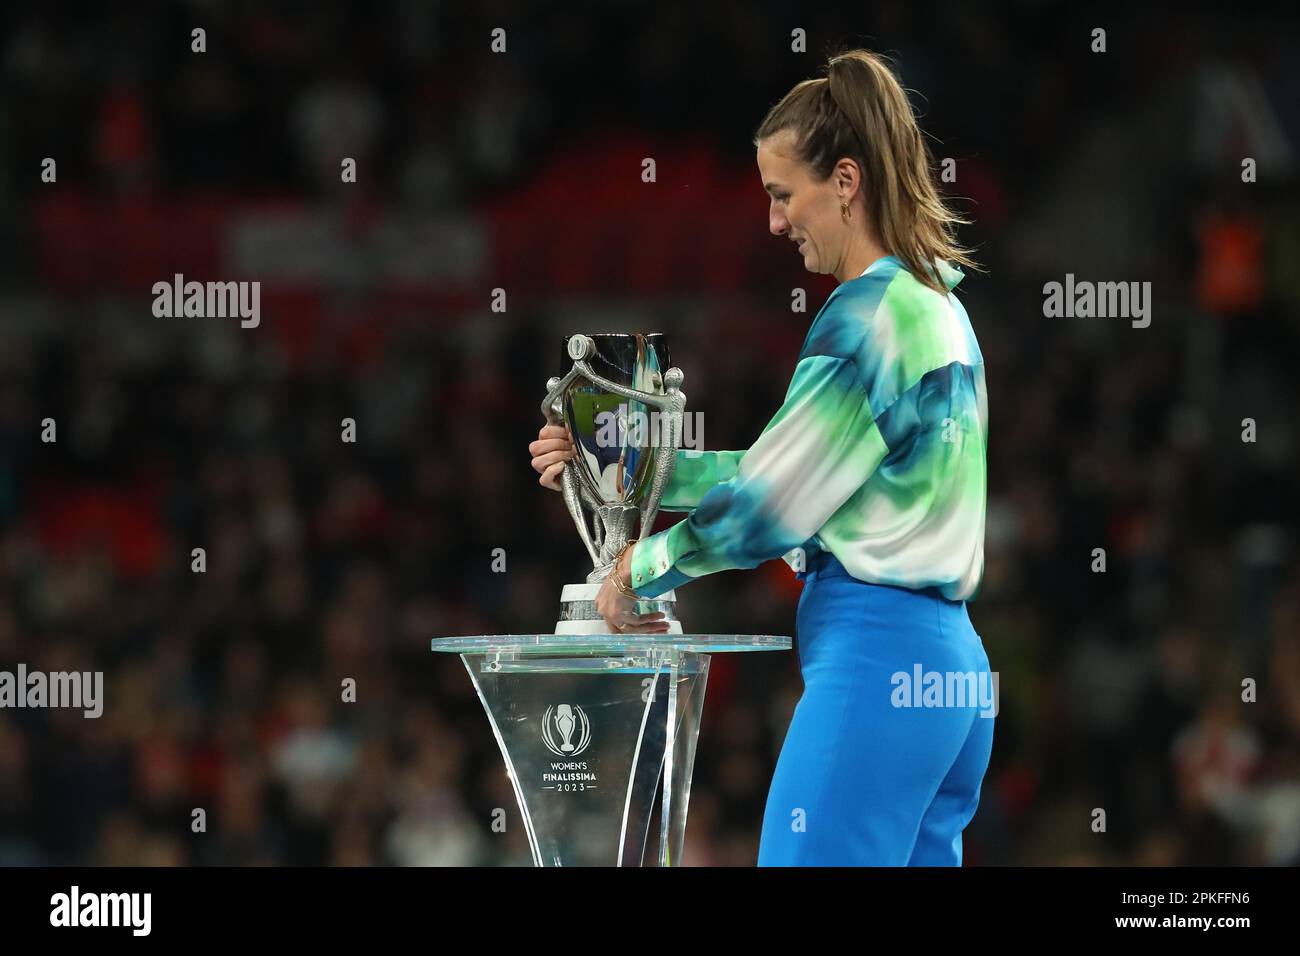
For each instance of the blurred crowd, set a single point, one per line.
(1163, 690)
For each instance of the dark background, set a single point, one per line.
(522, 171)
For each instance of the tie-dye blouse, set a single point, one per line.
(876, 455)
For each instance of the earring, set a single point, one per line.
(845, 213)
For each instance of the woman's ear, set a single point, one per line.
(847, 176)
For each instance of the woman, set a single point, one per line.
(873, 470)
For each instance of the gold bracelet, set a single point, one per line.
(624, 589)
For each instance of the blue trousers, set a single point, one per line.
(862, 779)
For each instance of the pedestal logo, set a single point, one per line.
(566, 730)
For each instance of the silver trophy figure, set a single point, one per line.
(624, 412)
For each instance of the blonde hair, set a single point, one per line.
(859, 110)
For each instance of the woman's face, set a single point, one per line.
(803, 209)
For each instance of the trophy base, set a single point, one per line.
(578, 614)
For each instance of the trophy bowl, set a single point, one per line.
(612, 432)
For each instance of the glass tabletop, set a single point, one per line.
(617, 643)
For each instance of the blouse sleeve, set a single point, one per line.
(695, 474)
(816, 452)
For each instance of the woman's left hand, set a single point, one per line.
(617, 608)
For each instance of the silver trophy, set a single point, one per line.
(624, 412)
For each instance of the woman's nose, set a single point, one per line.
(777, 223)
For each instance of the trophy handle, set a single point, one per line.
(555, 388)
(665, 463)
(570, 487)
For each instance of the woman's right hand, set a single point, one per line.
(553, 448)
